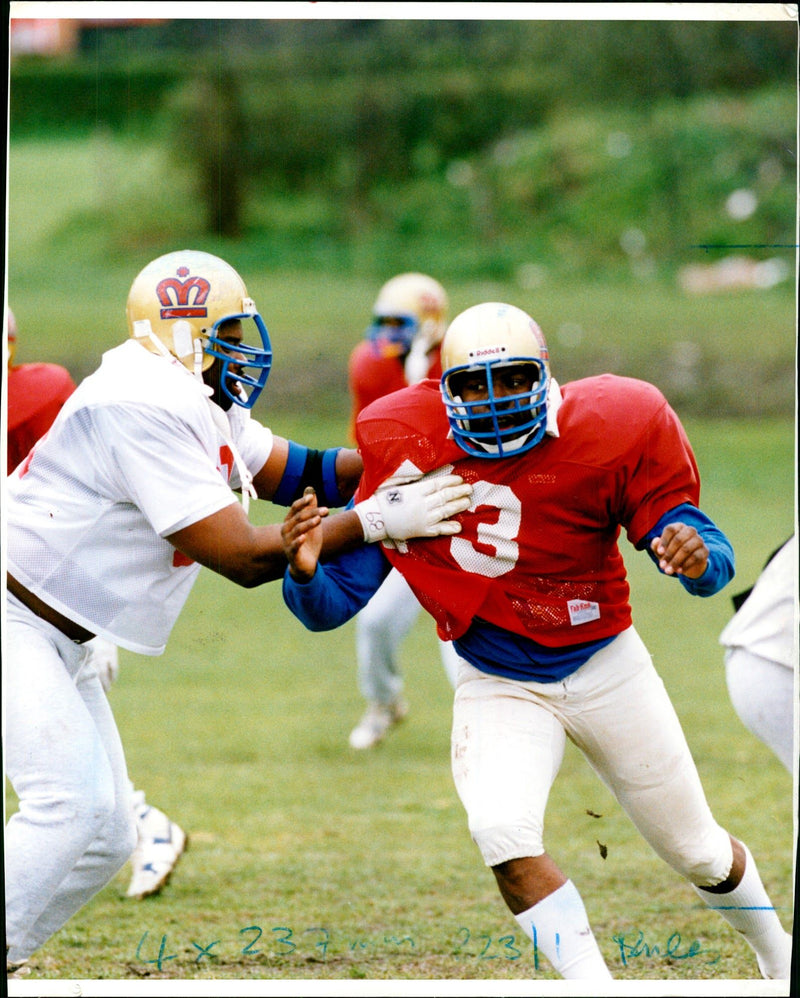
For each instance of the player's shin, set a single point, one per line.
(559, 928)
(748, 909)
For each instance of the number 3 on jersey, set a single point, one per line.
(496, 550)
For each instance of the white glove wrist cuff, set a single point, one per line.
(372, 522)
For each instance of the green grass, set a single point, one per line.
(240, 733)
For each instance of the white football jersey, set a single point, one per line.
(766, 623)
(133, 456)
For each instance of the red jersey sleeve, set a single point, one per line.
(659, 468)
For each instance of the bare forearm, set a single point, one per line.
(341, 532)
(228, 544)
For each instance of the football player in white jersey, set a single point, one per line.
(36, 392)
(760, 643)
(110, 518)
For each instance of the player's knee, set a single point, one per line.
(500, 842)
(709, 863)
(122, 838)
(373, 625)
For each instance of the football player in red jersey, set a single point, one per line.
(533, 592)
(36, 393)
(402, 346)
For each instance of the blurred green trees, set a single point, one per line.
(578, 145)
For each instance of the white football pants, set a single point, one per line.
(75, 826)
(762, 694)
(508, 742)
(380, 628)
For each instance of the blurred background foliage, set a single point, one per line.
(620, 165)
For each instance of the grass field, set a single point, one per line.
(311, 862)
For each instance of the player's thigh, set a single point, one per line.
(506, 750)
(762, 694)
(52, 737)
(622, 719)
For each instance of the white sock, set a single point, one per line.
(560, 929)
(749, 910)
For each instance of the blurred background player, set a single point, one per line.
(36, 393)
(760, 644)
(402, 346)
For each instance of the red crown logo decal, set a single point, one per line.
(183, 299)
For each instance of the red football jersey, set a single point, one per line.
(36, 393)
(538, 552)
(372, 375)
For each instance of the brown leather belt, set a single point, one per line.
(68, 627)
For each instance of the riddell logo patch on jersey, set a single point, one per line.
(581, 611)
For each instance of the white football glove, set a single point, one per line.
(104, 656)
(417, 509)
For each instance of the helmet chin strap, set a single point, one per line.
(198, 359)
(222, 424)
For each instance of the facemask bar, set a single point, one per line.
(392, 337)
(476, 425)
(259, 359)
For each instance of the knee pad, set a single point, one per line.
(706, 863)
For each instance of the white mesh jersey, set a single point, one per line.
(133, 456)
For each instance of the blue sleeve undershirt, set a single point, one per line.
(721, 562)
(339, 589)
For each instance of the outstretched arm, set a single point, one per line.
(325, 597)
(249, 555)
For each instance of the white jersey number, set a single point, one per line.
(496, 551)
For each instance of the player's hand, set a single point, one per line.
(416, 509)
(680, 551)
(301, 533)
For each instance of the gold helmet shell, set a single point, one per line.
(409, 306)
(176, 306)
(181, 297)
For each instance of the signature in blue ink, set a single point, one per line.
(629, 950)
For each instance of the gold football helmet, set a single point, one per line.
(176, 305)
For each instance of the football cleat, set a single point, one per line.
(161, 844)
(377, 721)
(16, 968)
